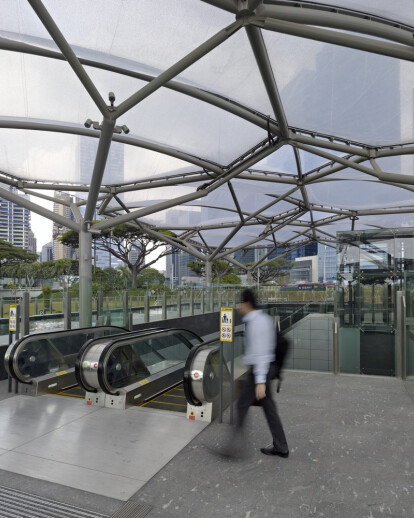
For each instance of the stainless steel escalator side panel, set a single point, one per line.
(89, 366)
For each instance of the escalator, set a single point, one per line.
(45, 362)
(136, 368)
(203, 370)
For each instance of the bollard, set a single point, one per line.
(164, 306)
(67, 314)
(179, 304)
(25, 313)
(146, 308)
(192, 303)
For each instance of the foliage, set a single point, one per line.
(63, 270)
(275, 270)
(46, 292)
(150, 277)
(219, 269)
(230, 278)
(120, 242)
(10, 253)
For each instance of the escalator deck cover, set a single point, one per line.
(17, 504)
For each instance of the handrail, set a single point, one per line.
(189, 362)
(112, 344)
(12, 351)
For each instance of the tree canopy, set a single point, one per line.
(275, 270)
(219, 269)
(129, 244)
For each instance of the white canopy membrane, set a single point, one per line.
(231, 123)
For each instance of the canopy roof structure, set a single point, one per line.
(237, 123)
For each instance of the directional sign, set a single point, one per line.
(226, 324)
(13, 318)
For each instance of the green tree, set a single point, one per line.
(121, 241)
(16, 262)
(230, 278)
(219, 269)
(63, 270)
(150, 277)
(275, 270)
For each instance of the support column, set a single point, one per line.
(85, 278)
(67, 310)
(208, 286)
(25, 313)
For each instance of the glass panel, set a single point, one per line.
(52, 352)
(373, 265)
(362, 99)
(139, 358)
(399, 10)
(164, 35)
(192, 126)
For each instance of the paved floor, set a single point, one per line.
(352, 452)
(350, 437)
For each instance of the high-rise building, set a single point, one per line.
(61, 251)
(47, 252)
(14, 221)
(177, 269)
(114, 169)
(32, 246)
(326, 263)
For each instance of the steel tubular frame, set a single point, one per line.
(374, 35)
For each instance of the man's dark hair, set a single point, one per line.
(249, 297)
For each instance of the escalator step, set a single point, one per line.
(72, 392)
(172, 400)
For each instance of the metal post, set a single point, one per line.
(2, 309)
(164, 306)
(146, 308)
(211, 303)
(36, 308)
(125, 317)
(50, 305)
(219, 298)
(208, 285)
(85, 278)
(231, 380)
(191, 302)
(202, 302)
(18, 313)
(401, 341)
(221, 384)
(179, 304)
(99, 311)
(67, 310)
(335, 345)
(26, 313)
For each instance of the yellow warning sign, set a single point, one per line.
(226, 324)
(13, 318)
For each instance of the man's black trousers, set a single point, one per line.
(248, 397)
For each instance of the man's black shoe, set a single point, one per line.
(273, 451)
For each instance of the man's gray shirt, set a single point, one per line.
(259, 343)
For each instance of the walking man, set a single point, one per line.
(259, 354)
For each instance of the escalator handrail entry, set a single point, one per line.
(113, 338)
(101, 367)
(39, 336)
(187, 369)
(91, 342)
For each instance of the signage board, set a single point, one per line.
(13, 318)
(226, 324)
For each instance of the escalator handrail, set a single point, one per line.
(104, 353)
(188, 364)
(90, 343)
(9, 362)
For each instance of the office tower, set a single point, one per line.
(177, 269)
(61, 251)
(47, 252)
(14, 221)
(32, 242)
